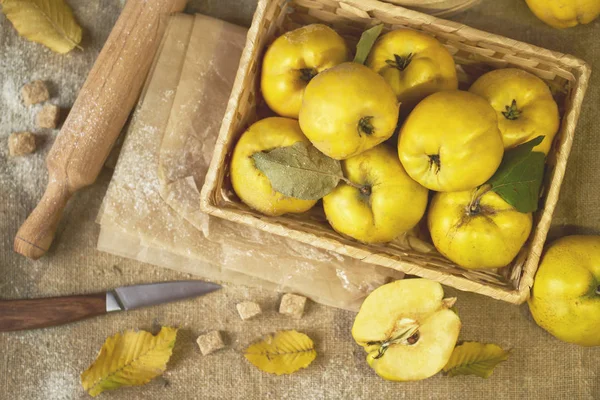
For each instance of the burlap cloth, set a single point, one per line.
(46, 364)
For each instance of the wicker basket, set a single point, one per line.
(475, 53)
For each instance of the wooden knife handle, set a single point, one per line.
(40, 313)
(98, 115)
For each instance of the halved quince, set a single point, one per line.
(407, 329)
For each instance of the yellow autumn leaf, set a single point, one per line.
(129, 359)
(49, 22)
(474, 358)
(281, 353)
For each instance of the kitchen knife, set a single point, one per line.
(40, 313)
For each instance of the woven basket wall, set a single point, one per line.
(475, 53)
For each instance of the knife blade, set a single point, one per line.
(44, 312)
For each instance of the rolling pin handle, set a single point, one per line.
(37, 233)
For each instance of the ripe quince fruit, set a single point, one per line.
(414, 64)
(565, 299)
(249, 183)
(477, 230)
(524, 106)
(384, 201)
(348, 109)
(293, 60)
(565, 13)
(451, 142)
(407, 329)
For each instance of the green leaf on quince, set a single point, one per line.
(474, 358)
(519, 178)
(366, 42)
(300, 171)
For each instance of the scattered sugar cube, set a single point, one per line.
(292, 305)
(35, 92)
(48, 116)
(21, 143)
(248, 309)
(210, 342)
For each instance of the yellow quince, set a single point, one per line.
(293, 60)
(384, 201)
(524, 106)
(348, 109)
(477, 229)
(565, 13)
(249, 183)
(414, 64)
(451, 141)
(565, 299)
(407, 329)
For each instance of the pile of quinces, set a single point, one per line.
(387, 138)
(451, 142)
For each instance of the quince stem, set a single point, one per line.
(409, 336)
(512, 112)
(474, 208)
(364, 189)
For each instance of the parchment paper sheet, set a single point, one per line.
(151, 209)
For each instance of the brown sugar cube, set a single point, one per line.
(21, 143)
(292, 305)
(35, 92)
(248, 309)
(210, 342)
(48, 116)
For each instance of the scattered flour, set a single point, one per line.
(58, 385)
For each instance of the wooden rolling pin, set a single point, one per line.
(97, 117)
